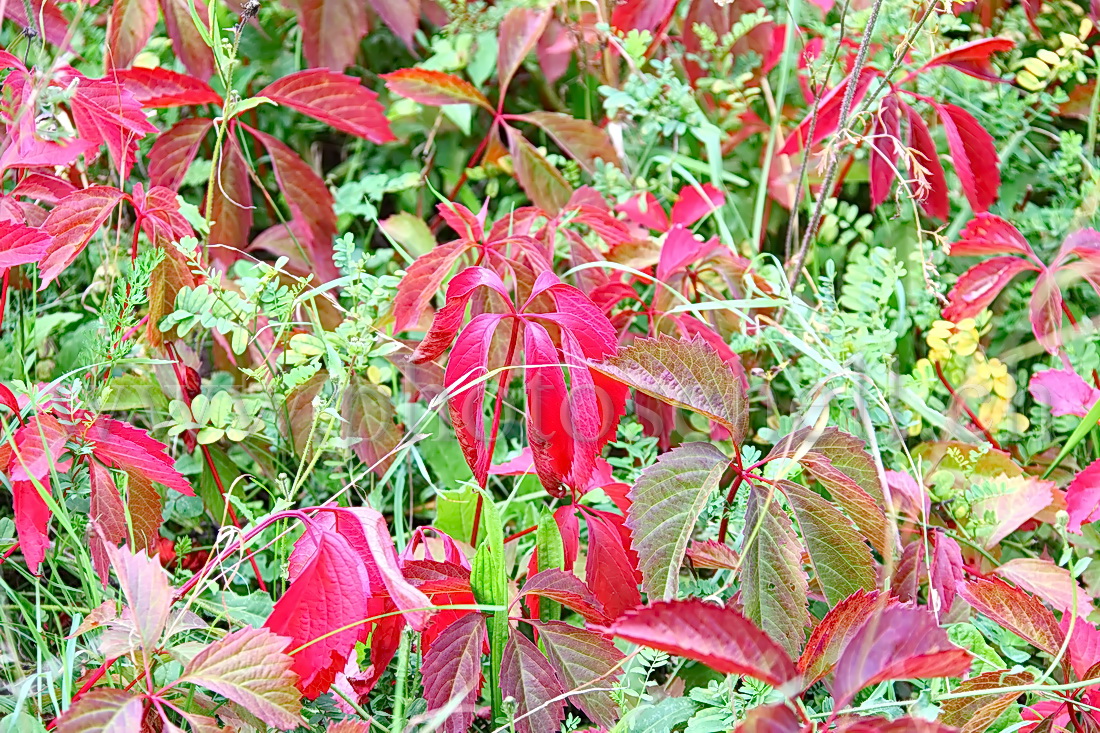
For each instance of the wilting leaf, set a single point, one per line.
(975, 714)
(665, 503)
(839, 556)
(250, 668)
(584, 659)
(896, 642)
(451, 669)
(773, 585)
(103, 710)
(527, 677)
(1019, 612)
(370, 418)
(148, 592)
(434, 88)
(688, 374)
(721, 638)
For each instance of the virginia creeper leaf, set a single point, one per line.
(128, 30)
(543, 183)
(519, 32)
(335, 99)
(174, 151)
(829, 637)
(568, 590)
(527, 677)
(103, 710)
(974, 155)
(1048, 581)
(434, 88)
(583, 659)
(609, 569)
(976, 714)
(451, 668)
(160, 88)
(331, 31)
(979, 286)
(1019, 612)
(1083, 497)
(583, 141)
(72, 224)
(925, 167)
(21, 244)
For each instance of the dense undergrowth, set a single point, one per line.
(414, 365)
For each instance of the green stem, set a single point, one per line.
(397, 725)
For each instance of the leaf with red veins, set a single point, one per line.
(1083, 498)
(369, 416)
(713, 555)
(43, 187)
(434, 88)
(1045, 311)
(107, 518)
(161, 221)
(609, 570)
(721, 638)
(527, 677)
(974, 58)
(585, 662)
(989, 234)
(72, 224)
(692, 204)
(1064, 391)
(860, 506)
(32, 521)
(328, 591)
(1048, 581)
(568, 590)
(896, 643)
(161, 88)
(1010, 502)
(518, 34)
(581, 140)
(128, 30)
(187, 42)
(830, 637)
(644, 210)
(422, 281)
(231, 200)
(21, 244)
(979, 286)
(309, 200)
(106, 113)
(926, 166)
(974, 154)
(465, 223)
(175, 150)
(451, 668)
(680, 249)
(120, 445)
(1018, 611)
(885, 137)
(103, 710)
(827, 113)
(145, 586)
(335, 99)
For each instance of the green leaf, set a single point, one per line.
(773, 585)
(665, 504)
(687, 374)
(841, 559)
(551, 556)
(250, 668)
(489, 581)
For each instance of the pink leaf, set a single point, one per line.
(451, 668)
(121, 445)
(641, 15)
(979, 286)
(989, 234)
(106, 113)
(527, 677)
(644, 210)
(974, 155)
(1045, 311)
(828, 113)
(39, 445)
(934, 196)
(175, 150)
(402, 16)
(1016, 610)
(335, 99)
(422, 281)
(160, 88)
(21, 244)
(693, 204)
(1048, 581)
(72, 224)
(885, 136)
(973, 58)
(186, 40)
(519, 32)
(1064, 391)
(103, 710)
(721, 638)
(331, 31)
(896, 643)
(1083, 498)
(1009, 503)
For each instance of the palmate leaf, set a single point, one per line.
(583, 659)
(665, 504)
(721, 638)
(688, 374)
(773, 585)
(250, 668)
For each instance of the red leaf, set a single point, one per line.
(934, 196)
(309, 200)
(1064, 391)
(1017, 611)
(175, 150)
(21, 245)
(10, 401)
(402, 16)
(43, 187)
(328, 591)
(720, 638)
(641, 14)
(434, 88)
(107, 518)
(979, 286)
(39, 445)
(973, 58)
(692, 204)
(121, 445)
(1083, 498)
(48, 20)
(989, 234)
(583, 660)
(467, 361)
(610, 571)
(645, 211)
(885, 137)
(895, 643)
(549, 427)
(1083, 650)
(231, 200)
(1045, 311)
(714, 555)
(1048, 581)
(188, 44)
(568, 590)
(775, 718)
(129, 28)
(331, 31)
(106, 113)
(32, 521)
(72, 223)
(451, 668)
(527, 677)
(516, 38)
(974, 155)
(828, 113)
(160, 88)
(830, 637)
(335, 99)
(422, 281)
